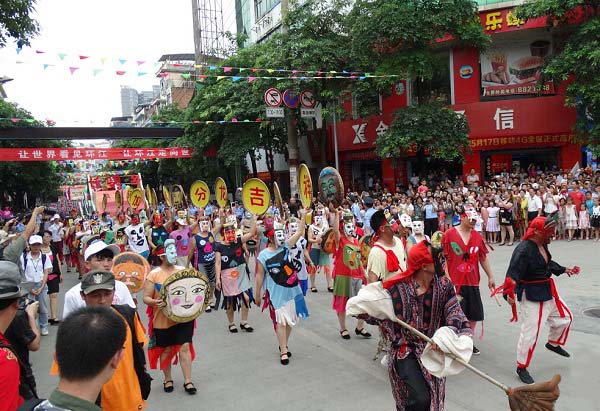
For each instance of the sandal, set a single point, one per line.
(509, 244)
(314, 289)
(345, 334)
(190, 391)
(501, 244)
(330, 289)
(246, 327)
(233, 328)
(208, 309)
(169, 388)
(362, 332)
(288, 352)
(284, 361)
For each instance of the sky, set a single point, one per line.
(107, 31)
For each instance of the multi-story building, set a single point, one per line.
(257, 19)
(176, 82)
(129, 100)
(515, 121)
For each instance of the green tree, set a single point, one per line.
(429, 129)
(37, 179)
(403, 37)
(576, 24)
(16, 22)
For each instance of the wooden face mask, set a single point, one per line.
(186, 295)
(131, 269)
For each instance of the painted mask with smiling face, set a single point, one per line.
(349, 227)
(417, 227)
(131, 269)
(293, 226)
(229, 234)
(186, 295)
(204, 224)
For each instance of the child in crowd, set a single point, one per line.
(493, 226)
(596, 219)
(584, 223)
(571, 218)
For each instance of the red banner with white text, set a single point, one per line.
(80, 154)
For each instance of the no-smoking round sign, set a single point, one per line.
(273, 97)
(307, 99)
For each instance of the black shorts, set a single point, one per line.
(176, 335)
(53, 285)
(595, 221)
(471, 303)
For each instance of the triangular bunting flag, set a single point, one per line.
(163, 75)
(103, 59)
(270, 71)
(141, 73)
(96, 71)
(73, 69)
(19, 49)
(39, 52)
(140, 62)
(122, 61)
(235, 78)
(243, 69)
(212, 68)
(251, 79)
(62, 56)
(83, 57)
(226, 69)
(46, 66)
(186, 76)
(120, 72)
(221, 77)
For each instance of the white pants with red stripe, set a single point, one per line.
(533, 315)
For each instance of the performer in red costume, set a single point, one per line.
(465, 250)
(530, 276)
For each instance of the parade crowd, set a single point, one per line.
(422, 245)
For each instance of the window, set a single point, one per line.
(262, 7)
(437, 88)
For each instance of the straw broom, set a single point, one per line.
(535, 397)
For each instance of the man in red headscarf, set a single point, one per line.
(529, 276)
(425, 298)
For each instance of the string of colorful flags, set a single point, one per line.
(15, 120)
(140, 67)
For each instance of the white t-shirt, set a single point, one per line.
(56, 230)
(550, 206)
(136, 234)
(34, 272)
(377, 262)
(534, 204)
(73, 300)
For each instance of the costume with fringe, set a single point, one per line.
(158, 321)
(348, 272)
(283, 295)
(236, 288)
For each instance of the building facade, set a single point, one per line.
(177, 85)
(515, 120)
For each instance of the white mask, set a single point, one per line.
(418, 227)
(318, 220)
(204, 225)
(293, 227)
(279, 238)
(232, 220)
(349, 229)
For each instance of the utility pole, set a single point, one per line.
(292, 131)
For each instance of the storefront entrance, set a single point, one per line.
(496, 162)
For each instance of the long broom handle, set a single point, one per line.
(454, 357)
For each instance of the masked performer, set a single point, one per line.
(299, 252)
(423, 297)
(348, 272)
(317, 256)
(464, 250)
(159, 233)
(170, 341)
(204, 257)
(231, 275)
(529, 276)
(278, 271)
(418, 234)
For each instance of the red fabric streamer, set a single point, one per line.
(508, 289)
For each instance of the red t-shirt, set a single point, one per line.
(9, 378)
(463, 271)
(578, 198)
(346, 260)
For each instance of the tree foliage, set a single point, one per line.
(16, 22)
(37, 179)
(576, 58)
(429, 128)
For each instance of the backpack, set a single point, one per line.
(25, 261)
(139, 357)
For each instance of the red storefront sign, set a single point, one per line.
(83, 154)
(531, 141)
(360, 135)
(504, 21)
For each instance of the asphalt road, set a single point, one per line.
(242, 371)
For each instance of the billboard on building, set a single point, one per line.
(515, 69)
